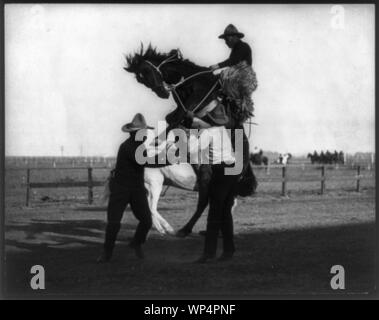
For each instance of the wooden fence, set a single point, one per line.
(284, 179)
(90, 183)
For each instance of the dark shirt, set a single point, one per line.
(128, 171)
(240, 52)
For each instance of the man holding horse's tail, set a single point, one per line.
(222, 187)
(238, 80)
(127, 187)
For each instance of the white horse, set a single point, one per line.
(286, 158)
(283, 159)
(179, 175)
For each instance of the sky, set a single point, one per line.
(66, 91)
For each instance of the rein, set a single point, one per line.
(199, 104)
(174, 86)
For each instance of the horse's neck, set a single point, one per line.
(182, 69)
(192, 92)
(176, 71)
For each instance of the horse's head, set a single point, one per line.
(144, 66)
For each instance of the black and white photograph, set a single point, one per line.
(175, 151)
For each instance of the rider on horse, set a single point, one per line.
(238, 80)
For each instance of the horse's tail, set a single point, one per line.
(247, 185)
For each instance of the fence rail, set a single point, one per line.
(323, 178)
(90, 183)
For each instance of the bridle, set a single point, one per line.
(175, 57)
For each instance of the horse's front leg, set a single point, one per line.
(202, 202)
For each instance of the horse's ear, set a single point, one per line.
(176, 52)
(141, 49)
(179, 53)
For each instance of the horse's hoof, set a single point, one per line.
(171, 233)
(182, 233)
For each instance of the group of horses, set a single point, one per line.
(193, 88)
(327, 157)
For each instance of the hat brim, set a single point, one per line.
(238, 34)
(128, 128)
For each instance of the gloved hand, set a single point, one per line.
(214, 67)
(190, 115)
(188, 119)
(169, 87)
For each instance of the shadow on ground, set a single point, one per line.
(280, 262)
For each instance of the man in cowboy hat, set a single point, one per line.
(222, 187)
(239, 80)
(241, 51)
(127, 187)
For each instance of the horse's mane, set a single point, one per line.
(151, 54)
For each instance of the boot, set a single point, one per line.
(226, 256)
(205, 258)
(137, 249)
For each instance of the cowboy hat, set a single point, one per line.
(218, 116)
(137, 123)
(231, 30)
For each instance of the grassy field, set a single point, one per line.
(285, 245)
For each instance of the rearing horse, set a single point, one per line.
(193, 88)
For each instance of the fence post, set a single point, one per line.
(284, 186)
(90, 186)
(372, 161)
(27, 186)
(358, 176)
(322, 179)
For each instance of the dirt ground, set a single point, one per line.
(285, 245)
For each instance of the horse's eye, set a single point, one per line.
(140, 75)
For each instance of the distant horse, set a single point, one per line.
(315, 158)
(286, 158)
(193, 88)
(283, 159)
(338, 157)
(259, 158)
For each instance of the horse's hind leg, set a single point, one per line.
(154, 191)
